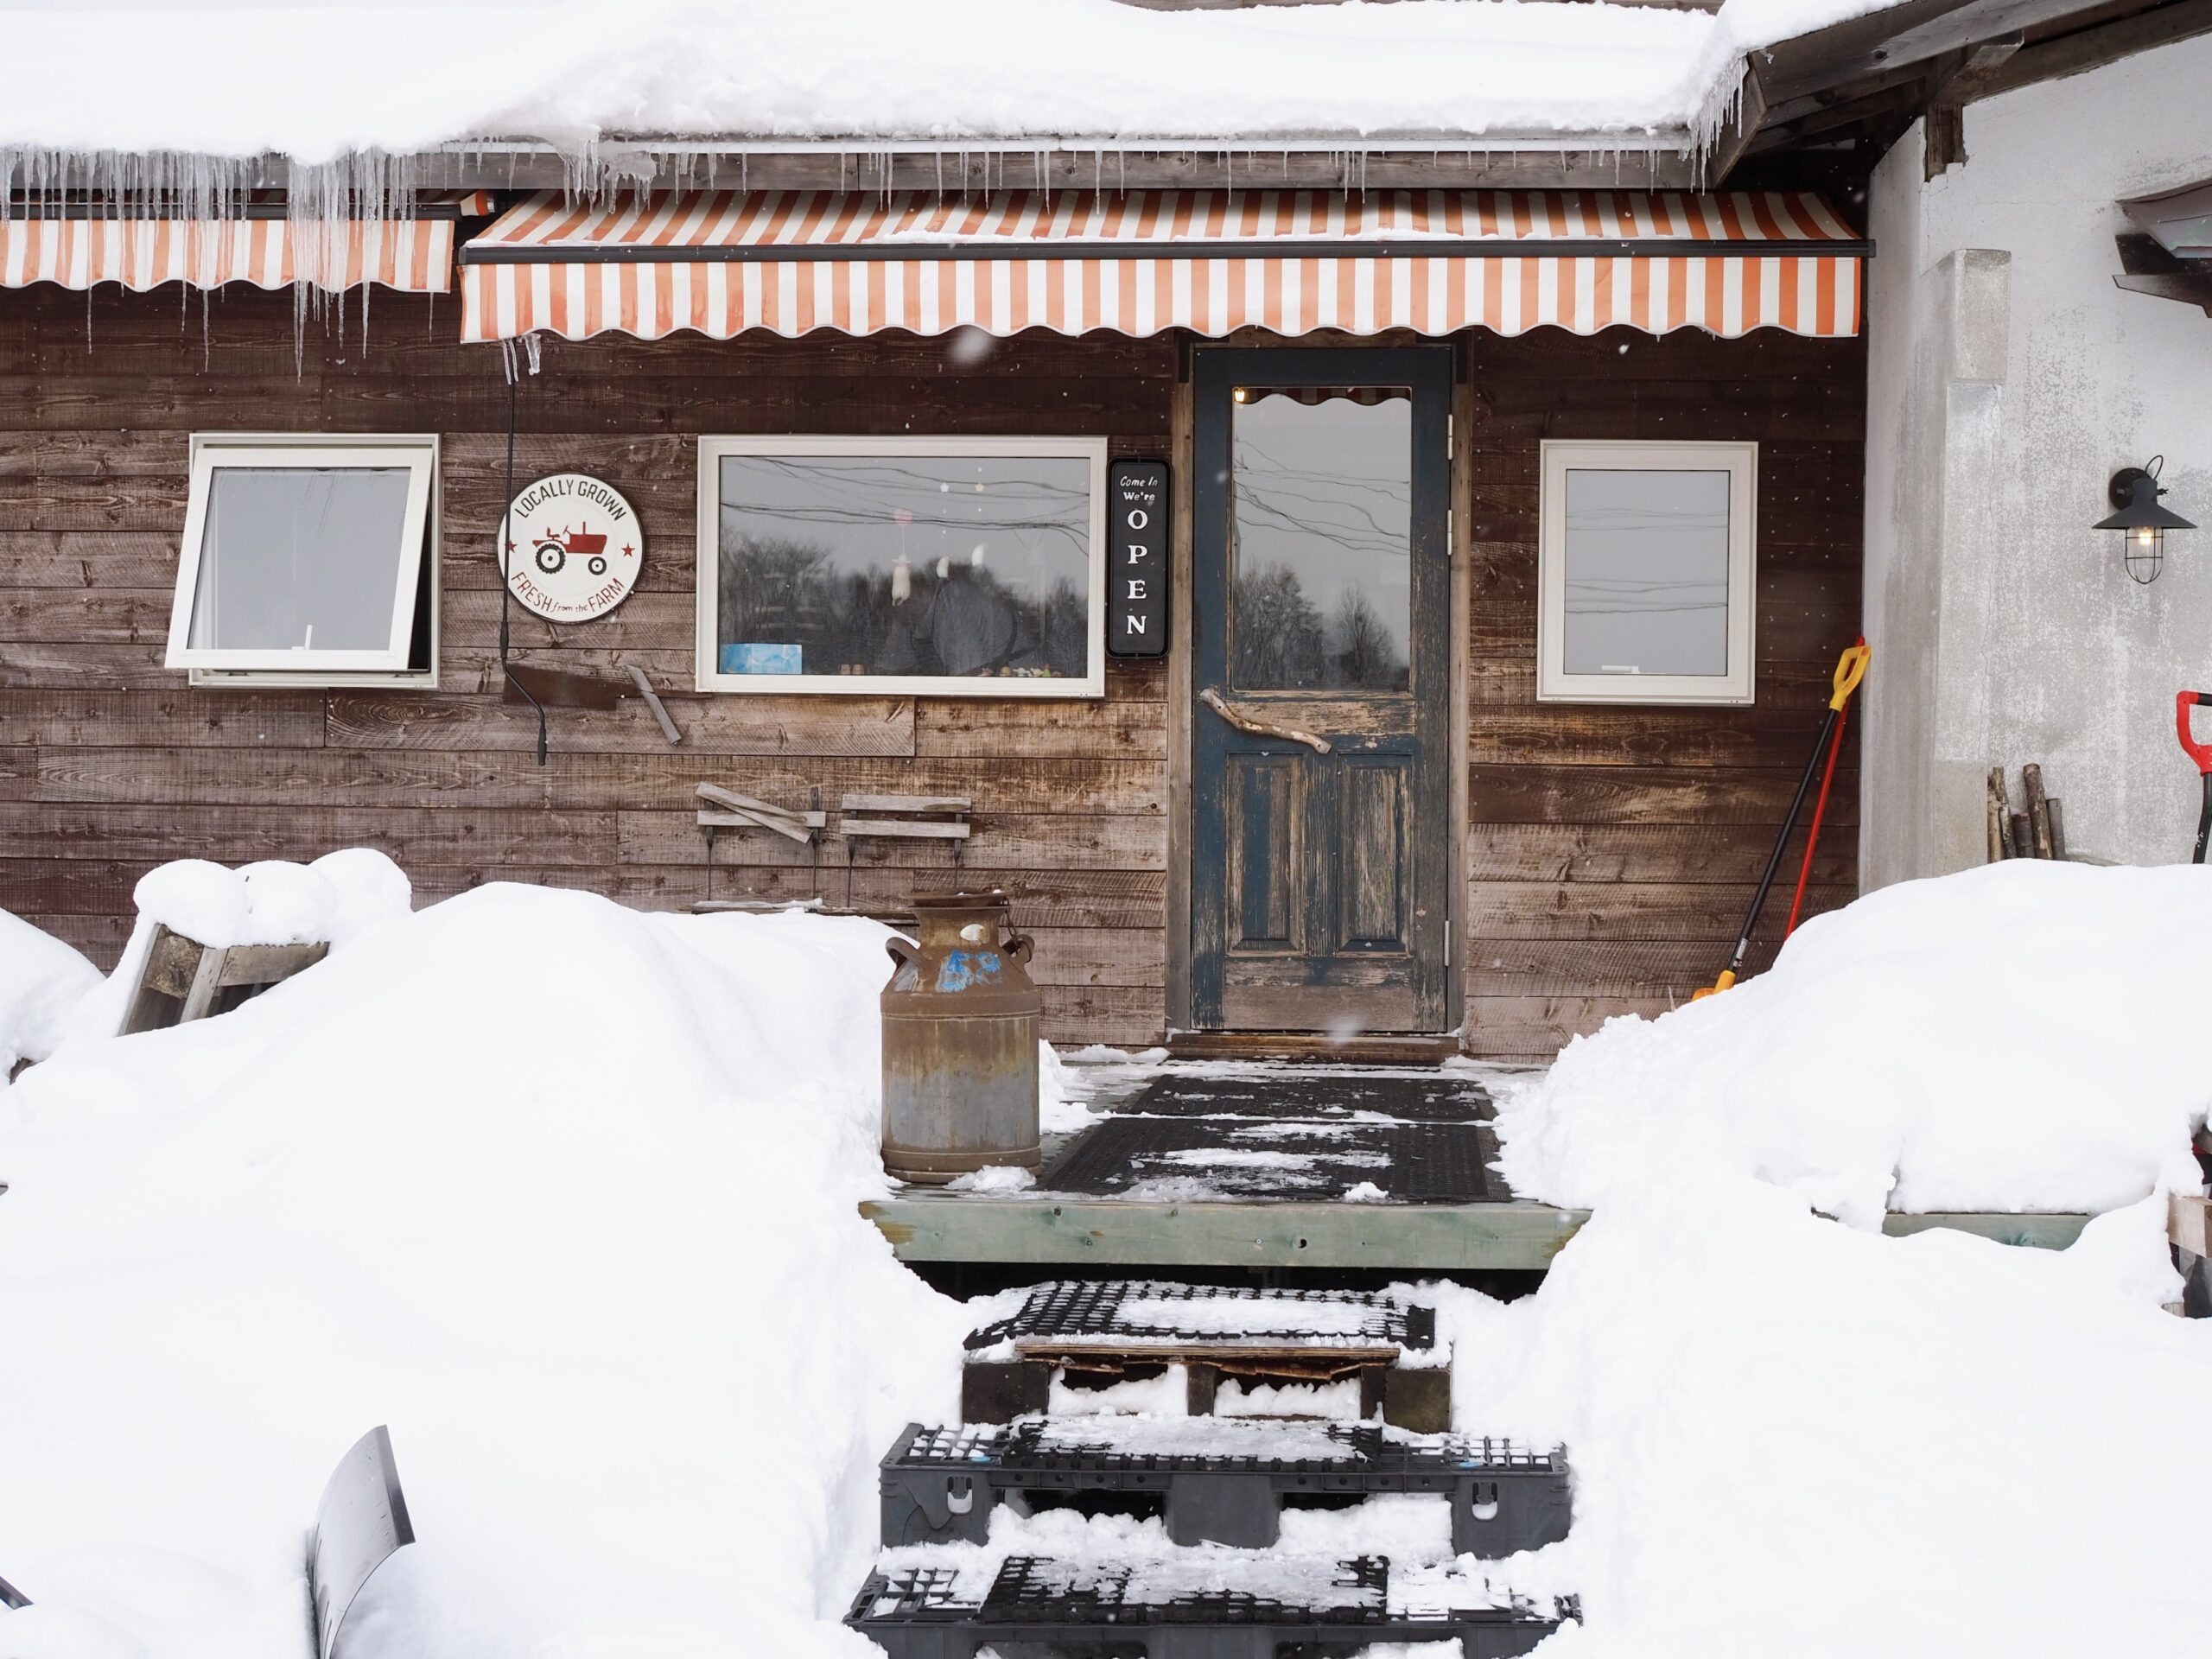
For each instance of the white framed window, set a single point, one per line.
(905, 566)
(309, 559)
(1646, 566)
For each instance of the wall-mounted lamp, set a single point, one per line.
(2134, 492)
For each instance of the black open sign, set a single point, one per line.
(1136, 558)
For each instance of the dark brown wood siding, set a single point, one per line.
(1612, 851)
(1609, 852)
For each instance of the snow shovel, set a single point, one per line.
(1850, 668)
(2202, 754)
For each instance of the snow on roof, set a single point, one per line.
(319, 83)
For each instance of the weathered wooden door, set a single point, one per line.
(1322, 670)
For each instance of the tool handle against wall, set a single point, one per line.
(2200, 752)
(1850, 668)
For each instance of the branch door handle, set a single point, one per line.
(1246, 722)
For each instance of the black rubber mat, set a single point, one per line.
(1197, 1158)
(1343, 1096)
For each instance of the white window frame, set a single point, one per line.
(1739, 684)
(709, 675)
(307, 451)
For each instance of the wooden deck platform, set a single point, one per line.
(1129, 1229)
(1059, 1230)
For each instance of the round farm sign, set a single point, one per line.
(573, 547)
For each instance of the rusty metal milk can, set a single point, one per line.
(960, 1020)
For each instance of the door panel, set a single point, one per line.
(1321, 656)
(1264, 804)
(1373, 892)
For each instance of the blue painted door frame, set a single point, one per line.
(1320, 881)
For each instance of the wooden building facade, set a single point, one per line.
(1594, 857)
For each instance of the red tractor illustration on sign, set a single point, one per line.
(554, 551)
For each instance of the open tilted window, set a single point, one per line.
(1646, 567)
(308, 560)
(944, 567)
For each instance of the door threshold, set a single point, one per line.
(1313, 1047)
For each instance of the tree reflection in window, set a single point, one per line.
(909, 565)
(1320, 539)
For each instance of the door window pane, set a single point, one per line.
(300, 558)
(952, 567)
(1320, 546)
(1647, 572)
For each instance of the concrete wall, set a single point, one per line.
(2008, 380)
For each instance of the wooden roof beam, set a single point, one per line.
(1846, 118)
(1943, 135)
(2091, 48)
(1881, 41)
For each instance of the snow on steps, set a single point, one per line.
(989, 1534)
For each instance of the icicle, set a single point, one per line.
(522, 356)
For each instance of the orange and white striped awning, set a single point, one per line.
(80, 247)
(1147, 261)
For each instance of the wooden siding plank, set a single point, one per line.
(809, 726)
(1044, 841)
(175, 715)
(1686, 854)
(88, 558)
(1625, 910)
(1533, 1028)
(945, 726)
(405, 778)
(150, 833)
(1556, 793)
(1072, 899)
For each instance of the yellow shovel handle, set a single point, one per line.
(1850, 668)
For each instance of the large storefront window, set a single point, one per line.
(953, 568)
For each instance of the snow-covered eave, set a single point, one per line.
(1642, 157)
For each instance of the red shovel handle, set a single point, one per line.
(2200, 752)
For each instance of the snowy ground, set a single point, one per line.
(540, 1181)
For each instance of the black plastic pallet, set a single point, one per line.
(924, 1612)
(1109, 1328)
(940, 1484)
(1109, 1310)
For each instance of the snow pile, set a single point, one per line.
(336, 901)
(563, 1194)
(2025, 1036)
(344, 82)
(1793, 1438)
(338, 896)
(41, 979)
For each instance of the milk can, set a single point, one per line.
(960, 1042)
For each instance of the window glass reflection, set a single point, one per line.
(956, 567)
(1321, 553)
(295, 558)
(1647, 572)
